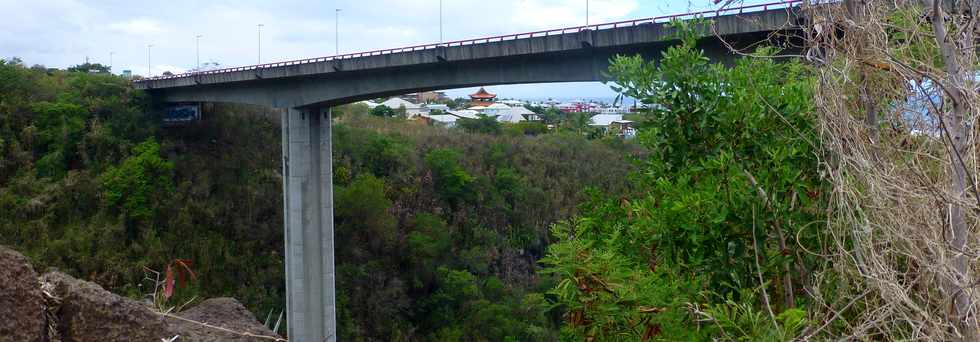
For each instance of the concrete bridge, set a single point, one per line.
(308, 88)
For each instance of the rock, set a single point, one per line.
(90, 313)
(224, 314)
(21, 304)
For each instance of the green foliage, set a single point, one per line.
(731, 183)
(140, 184)
(526, 128)
(363, 212)
(383, 111)
(453, 183)
(483, 124)
(89, 67)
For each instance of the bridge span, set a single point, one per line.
(308, 88)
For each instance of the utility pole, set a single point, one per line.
(198, 43)
(586, 12)
(149, 67)
(337, 30)
(110, 60)
(260, 43)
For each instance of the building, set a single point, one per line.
(482, 98)
(604, 120)
(526, 113)
(370, 104)
(443, 120)
(437, 106)
(497, 109)
(425, 97)
(624, 129)
(510, 118)
(411, 109)
(465, 114)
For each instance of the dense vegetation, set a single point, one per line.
(439, 231)
(714, 245)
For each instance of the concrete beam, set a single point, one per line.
(308, 215)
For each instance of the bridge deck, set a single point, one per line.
(737, 20)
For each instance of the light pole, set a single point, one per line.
(198, 45)
(586, 12)
(337, 29)
(260, 43)
(110, 60)
(149, 67)
(440, 21)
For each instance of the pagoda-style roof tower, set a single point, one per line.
(482, 98)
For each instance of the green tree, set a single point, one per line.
(383, 111)
(139, 187)
(60, 127)
(482, 124)
(90, 67)
(729, 186)
(453, 183)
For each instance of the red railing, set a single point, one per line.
(627, 23)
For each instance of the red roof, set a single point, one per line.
(482, 94)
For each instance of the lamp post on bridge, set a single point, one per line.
(260, 43)
(198, 46)
(586, 12)
(149, 66)
(336, 30)
(110, 60)
(440, 22)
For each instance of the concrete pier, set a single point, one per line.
(308, 215)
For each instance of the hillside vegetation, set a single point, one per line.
(438, 231)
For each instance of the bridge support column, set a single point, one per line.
(308, 216)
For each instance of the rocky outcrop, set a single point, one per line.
(90, 313)
(58, 307)
(220, 319)
(21, 304)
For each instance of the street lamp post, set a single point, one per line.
(586, 12)
(337, 29)
(149, 66)
(440, 21)
(198, 46)
(110, 60)
(260, 43)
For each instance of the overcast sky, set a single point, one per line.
(61, 33)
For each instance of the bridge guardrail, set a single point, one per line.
(485, 40)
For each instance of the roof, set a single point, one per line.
(370, 104)
(466, 113)
(395, 102)
(512, 118)
(438, 106)
(483, 94)
(477, 108)
(443, 118)
(498, 106)
(605, 119)
(521, 110)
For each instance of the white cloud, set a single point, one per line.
(139, 26)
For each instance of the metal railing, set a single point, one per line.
(485, 40)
